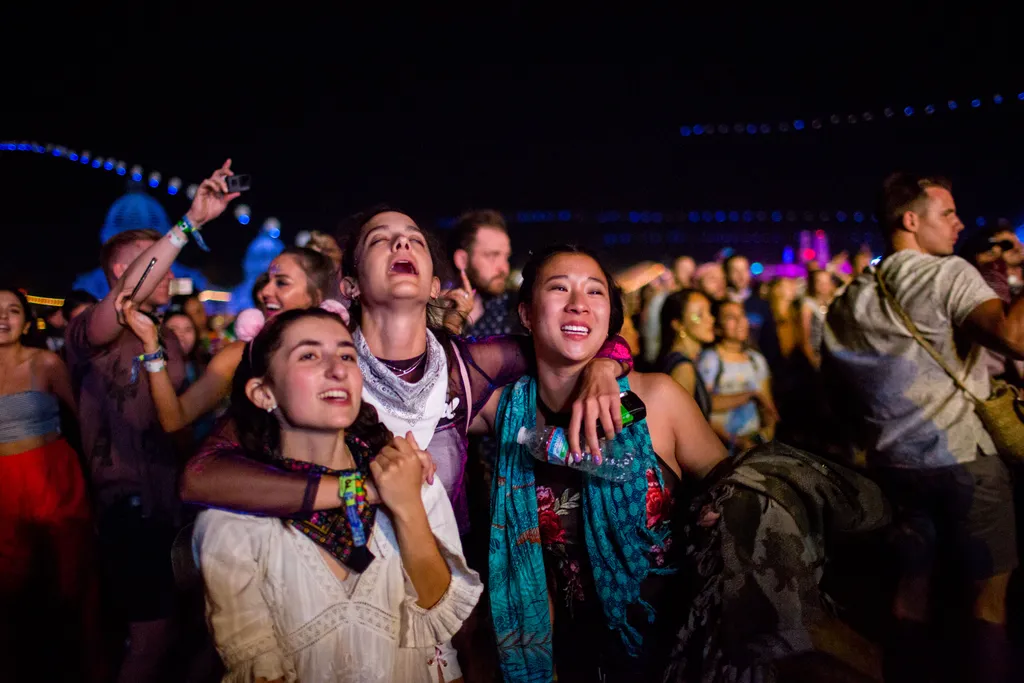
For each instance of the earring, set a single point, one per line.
(272, 408)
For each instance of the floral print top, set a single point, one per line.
(580, 626)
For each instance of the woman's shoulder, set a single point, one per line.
(219, 526)
(43, 360)
(655, 387)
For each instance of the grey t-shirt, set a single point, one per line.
(908, 411)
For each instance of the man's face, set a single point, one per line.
(936, 226)
(738, 273)
(487, 265)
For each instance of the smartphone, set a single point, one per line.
(633, 411)
(181, 286)
(239, 183)
(145, 274)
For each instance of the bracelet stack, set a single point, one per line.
(185, 225)
(154, 362)
(352, 491)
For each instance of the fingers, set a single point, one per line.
(466, 284)
(591, 414)
(575, 428)
(226, 166)
(411, 440)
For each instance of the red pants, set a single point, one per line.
(48, 572)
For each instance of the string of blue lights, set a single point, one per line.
(272, 226)
(243, 214)
(817, 123)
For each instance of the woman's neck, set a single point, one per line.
(395, 334)
(557, 385)
(10, 354)
(318, 447)
(688, 346)
(731, 346)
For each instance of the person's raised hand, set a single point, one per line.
(141, 325)
(463, 297)
(212, 197)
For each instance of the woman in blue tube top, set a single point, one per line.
(48, 587)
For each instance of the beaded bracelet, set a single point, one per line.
(352, 490)
(185, 225)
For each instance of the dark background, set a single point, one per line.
(520, 109)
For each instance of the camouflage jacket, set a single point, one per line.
(755, 537)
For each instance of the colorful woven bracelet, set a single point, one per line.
(352, 490)
(185, 225)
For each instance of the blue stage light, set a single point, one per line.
(751, 128)
(908, 111)
(698, 129)
(734, 216)
(951, 104)
(929, 109)
(998, 99)
(172, 190)
(244, 219)
(980, 221)
(695, 216)
(858, 217)
(756, 268)
(73, 156)
(975, 103)
(841, 216)
(685, 131)
(776, 216)
(798, 124)
(634, 216)
(720, 216)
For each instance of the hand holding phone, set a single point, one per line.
(145, 274)
(239, 183)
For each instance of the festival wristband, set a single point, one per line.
(146, 359)
(155, 365)
(185, 225)
(178, 242)
(352, 490)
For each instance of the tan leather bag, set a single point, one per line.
(1002, 412)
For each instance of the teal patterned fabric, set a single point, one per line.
(615, 524)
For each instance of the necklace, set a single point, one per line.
(398, 371)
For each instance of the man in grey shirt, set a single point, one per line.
(923, 441)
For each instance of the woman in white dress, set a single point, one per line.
(360, 594)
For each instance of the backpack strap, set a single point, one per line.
(466, 386)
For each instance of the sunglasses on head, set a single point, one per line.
(1005, 245)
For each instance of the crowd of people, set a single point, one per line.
(342, 484)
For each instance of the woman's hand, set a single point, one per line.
(598, 401)
(398, 473)
(212, 197)
(141, 325)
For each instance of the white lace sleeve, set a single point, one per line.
(428, 627)
(229, 551)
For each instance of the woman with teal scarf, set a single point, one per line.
(581, 568)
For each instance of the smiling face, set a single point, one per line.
(697, 320)
(393, 262)
(570, 311)
(732, 323)
(313, 377)
(13, 319)
(287, 288)
(184, 330)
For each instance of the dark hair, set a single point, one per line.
(30, 316)
(537, 261)
(469, 223)
(349, 234)
(75, 299)
(258, 431)
(261, 281)
(717, 306)
(812, 287)
(902, 192)
(672, 311)
(320, 272)
(112, 248)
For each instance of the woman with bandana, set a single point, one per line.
(365, 593)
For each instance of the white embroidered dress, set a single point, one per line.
(277, 610)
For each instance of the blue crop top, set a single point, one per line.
(27, 414)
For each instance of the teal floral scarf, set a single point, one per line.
(615, 527)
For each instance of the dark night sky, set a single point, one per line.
(520, 110)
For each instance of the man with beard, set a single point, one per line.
(480, 251)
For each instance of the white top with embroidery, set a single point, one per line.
(278, 611)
